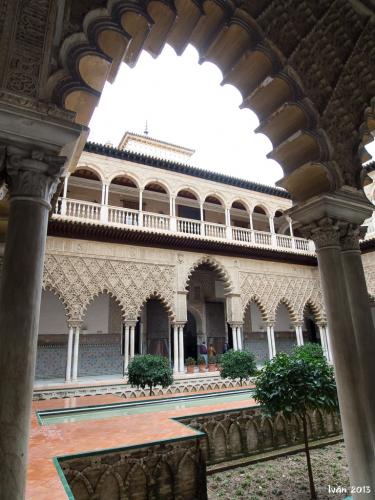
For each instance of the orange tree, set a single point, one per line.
(148, 371)
(295, 384)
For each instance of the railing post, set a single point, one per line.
(173, 224)
(140, 211)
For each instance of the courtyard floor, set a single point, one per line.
(49, 441)
(284, 478)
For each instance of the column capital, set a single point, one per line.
(73, 323)
(179, 323)
(130, 322)
(350, 236)
(30, 173)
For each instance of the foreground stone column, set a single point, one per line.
(360, 311)
(32, 178)
(322, 219)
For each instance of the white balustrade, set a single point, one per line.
(302, 244)
(156, 221)
(80, 209)
(241, 234)
(104, 214)
(283, 241)
(262, 238)
(123, 216)
(188, 226)
(214, 230)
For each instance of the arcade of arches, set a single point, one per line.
(307, 70)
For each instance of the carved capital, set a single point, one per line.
(325, 232)
(350, 236)
(31, 174)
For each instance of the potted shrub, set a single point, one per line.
(202, 364)
(212, 364)
(190, 365)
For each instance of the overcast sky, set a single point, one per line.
(184, 103)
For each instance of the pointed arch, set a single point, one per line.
(156, 295)
(104, 290)
(57, 293)
(316, 309)
(258, 301)
(216, 266)
(292, 313)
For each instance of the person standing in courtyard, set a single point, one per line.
(211, 351)
(203, 351)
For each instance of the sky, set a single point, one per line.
(184, 103)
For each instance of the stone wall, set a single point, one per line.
(241, 433)
(173, 470)
(168, 471)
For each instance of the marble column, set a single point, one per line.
(324, 340)
(234, 338)
(175, 348)
(32, 177)
(75, 353)
(271, 341)
(68, 371)
(140, 208)
(132, 340)
(201, 217)
(65, 194)
(126, 349)
(239, 338)
(324, 219)
(299, 334)
(181, 349)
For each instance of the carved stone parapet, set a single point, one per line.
(31, 174)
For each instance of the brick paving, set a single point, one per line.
(49, 441)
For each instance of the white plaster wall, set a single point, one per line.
(283, 320)
(52, 315)
(97, 315)
(256, 318)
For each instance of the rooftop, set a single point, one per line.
(176, 166)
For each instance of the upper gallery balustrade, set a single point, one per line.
(70, 209)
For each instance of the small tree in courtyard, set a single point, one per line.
(296, 384)
(148, 371)
(238, 364)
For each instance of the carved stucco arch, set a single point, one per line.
(105, 290)
(157, 295)
(49, 287)
(80, 278)
(297, 93)
(289, 306)
(262, 309)
(316, 309)
(216, 266)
